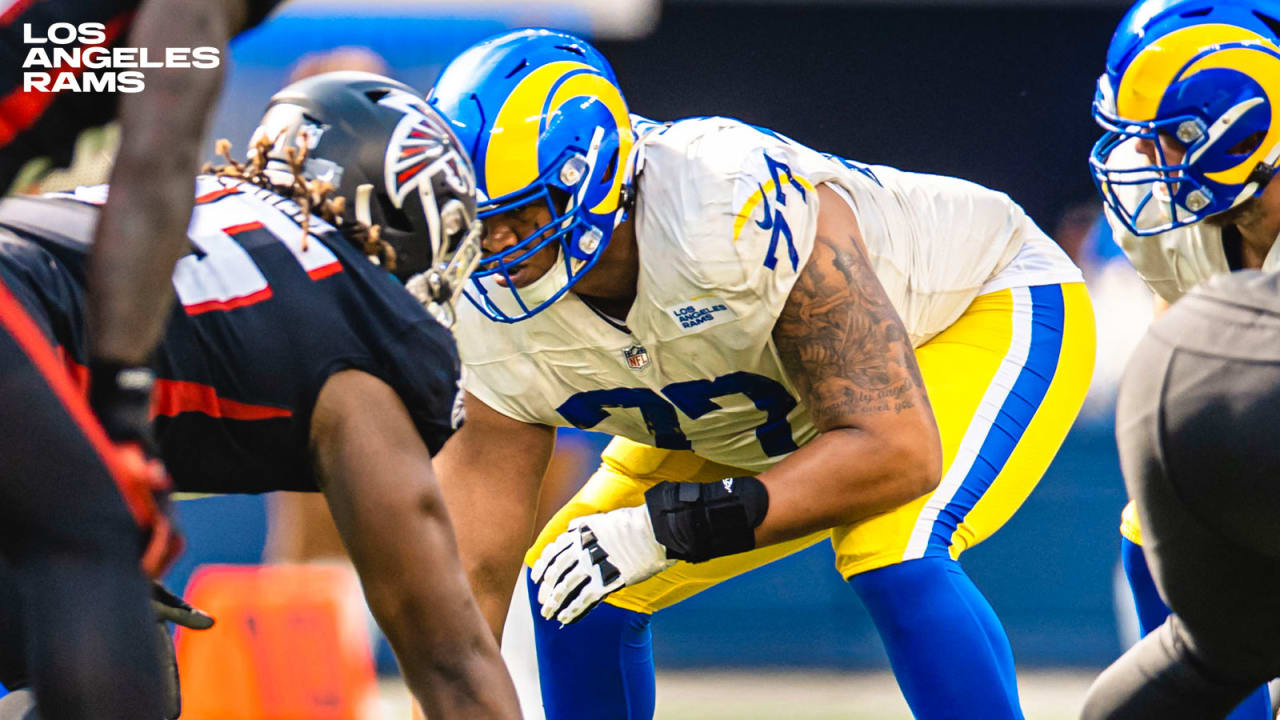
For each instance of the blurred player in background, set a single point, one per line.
(758, 323)
(1190, 101)
(294, 363)
(75, 488)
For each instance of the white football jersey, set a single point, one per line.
(1175, 261)
(725, 220)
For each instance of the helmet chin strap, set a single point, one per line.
(533, 294)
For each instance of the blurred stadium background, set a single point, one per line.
(994, 91)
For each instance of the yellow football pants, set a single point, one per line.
(1006, 381)
(1129, 527)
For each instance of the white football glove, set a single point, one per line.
(597, 555)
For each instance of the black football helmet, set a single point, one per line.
(396, 163)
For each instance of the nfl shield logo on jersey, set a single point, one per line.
(637, 357)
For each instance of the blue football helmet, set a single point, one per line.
(1205, 76)
(543, 120)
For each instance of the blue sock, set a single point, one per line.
(1151, 609)
(599, 667)
(947, 648)
(1151, 614)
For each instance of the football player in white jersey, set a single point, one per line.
(1186, 171)
(789, 347)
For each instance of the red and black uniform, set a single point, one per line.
(264, 318)
(71, 509)
(46, 124)
(71, 502)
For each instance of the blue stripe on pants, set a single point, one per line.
(1019, 407)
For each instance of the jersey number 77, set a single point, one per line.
(693, 398)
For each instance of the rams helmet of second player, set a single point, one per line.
(1197, 82)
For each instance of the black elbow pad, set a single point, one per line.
(696, 522)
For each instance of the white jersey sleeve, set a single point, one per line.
(742, 203)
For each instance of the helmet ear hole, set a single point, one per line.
(1270, 22)
(610, 168)
(1248, 145)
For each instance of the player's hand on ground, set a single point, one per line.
(597, 555)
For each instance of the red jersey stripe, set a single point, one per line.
(232, 304)
(216, 195)
(243, 227)
(173, 397)
(325, 271)
(20, 326)
(79, 373)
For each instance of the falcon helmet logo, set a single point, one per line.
(417, 152)
(423, 156)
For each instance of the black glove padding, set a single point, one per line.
(120, 396)
(171, 608)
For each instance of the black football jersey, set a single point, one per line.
(46, 124)
(265, 315)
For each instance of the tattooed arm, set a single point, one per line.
(846, 351)
(849, 356)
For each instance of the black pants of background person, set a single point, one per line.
(1198, 425)
(73, 600)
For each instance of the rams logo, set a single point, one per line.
(512, 157)
(1209, 48)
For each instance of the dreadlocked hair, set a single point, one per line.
(314, 197)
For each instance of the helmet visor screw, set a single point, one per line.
(573, 170)
(1197, 201)
(590, 240)
(1188, 131)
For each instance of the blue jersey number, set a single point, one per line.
(587, 409)
(694, 398)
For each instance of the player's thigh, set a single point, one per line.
(57, 485)
(1006, 381)
(627, 470)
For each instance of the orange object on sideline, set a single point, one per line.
(291, 642)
